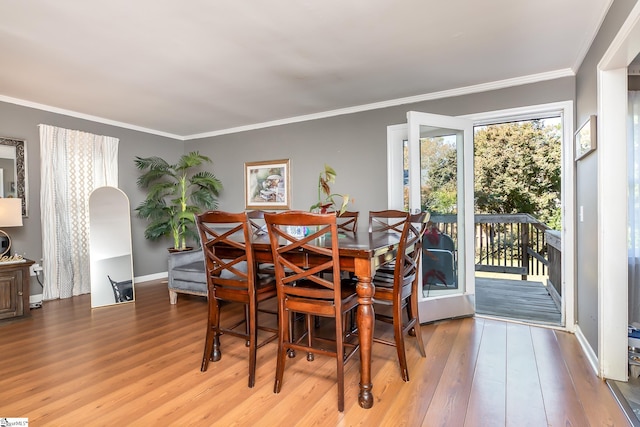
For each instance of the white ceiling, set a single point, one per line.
(200, 67)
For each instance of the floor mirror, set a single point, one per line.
(110, 247)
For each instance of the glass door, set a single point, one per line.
(431, 168)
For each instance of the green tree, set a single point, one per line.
(438, 185)
(517, 169)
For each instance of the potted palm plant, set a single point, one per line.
(175, 192)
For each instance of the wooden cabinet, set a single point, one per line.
(14, 290)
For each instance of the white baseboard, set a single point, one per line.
(148, 277)
(592, 357)
(37, 298)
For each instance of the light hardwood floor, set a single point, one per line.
(139, 364)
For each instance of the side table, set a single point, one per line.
(14, 289)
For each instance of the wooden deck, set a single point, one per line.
(522, 300)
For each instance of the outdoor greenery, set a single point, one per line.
(175, 192)
(517, 170)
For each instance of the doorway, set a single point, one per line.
(612, 358)
(518, 221)
(399, 171)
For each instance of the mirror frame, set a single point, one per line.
(21, 169)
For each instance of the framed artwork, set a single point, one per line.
(586, 137)
(266, 185)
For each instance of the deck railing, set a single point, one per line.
(510, 243)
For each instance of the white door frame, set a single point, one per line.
(449, 305)
(613, 291)
(566, 110)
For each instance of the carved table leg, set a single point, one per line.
(365, 290)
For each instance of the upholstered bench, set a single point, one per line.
(186, 274)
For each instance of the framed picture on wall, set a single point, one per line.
(585, 138)
(266, 184)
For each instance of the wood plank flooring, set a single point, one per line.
(139, 364)
(516, 300)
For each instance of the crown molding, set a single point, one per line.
(89, 117)
(484, 87)
(466, 90)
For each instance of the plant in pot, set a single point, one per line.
(175, 192)
(326, 199)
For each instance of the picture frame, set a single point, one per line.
(267, 185)
(586, 138)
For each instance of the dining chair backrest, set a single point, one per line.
(387, 220)
(409, 250)
(348, 221)
(412, 232)
(291, 249)
(231, 230)
(256, 221)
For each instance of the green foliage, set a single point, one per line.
(174, 194)
(518, 170)
(439, 181)
(326, 199)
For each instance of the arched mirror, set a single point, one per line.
(13, 172)
(110, 247)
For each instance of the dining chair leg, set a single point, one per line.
(247, 326)
(399, 339)
(340, 360)
(216, 355)
(212, 340)
(291, 320)
(412, 309)
(284, 323)
(208, 347)
(252, 322)
(310, 327)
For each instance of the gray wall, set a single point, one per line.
(22, 122)
(586, 176)
(354, 145)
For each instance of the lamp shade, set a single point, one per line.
(10, 212)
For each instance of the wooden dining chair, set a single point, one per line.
(300, 261)
(256, 221)
(232, 277)
(259, 228)
(398, 288)
(348, 221)
(390, 221)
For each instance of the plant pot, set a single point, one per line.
(172, 250)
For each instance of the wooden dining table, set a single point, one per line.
(361, 253)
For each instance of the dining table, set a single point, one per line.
(361, 253)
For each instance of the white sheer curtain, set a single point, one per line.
(634, 206)
(72, 164)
